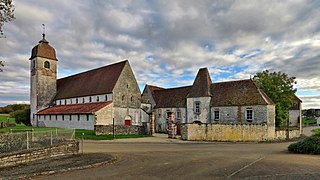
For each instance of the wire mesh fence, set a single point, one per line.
(10, 142)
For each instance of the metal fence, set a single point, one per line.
(34, 139)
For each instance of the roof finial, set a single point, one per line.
(44, 31)
(43, 40)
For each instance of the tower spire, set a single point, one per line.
(43, 40)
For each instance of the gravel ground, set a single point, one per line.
(56, 164)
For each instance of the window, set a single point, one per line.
(159, 112)
(82, 100)
(33, 64)
(70, 101)
(65, 101)
(197, 107)
(50, 117)
(168, 114)
(45, 117)
(249, 114)
(77, 101)
(105, 98)
(178, 114)
(123, 97)
(131, 99)
(87, 117)
(78, 117)
(70, 117)
(216, 115)
(97, 98)
(90, 99)
(62, 117)
(47, 64)
(56, 117)
(60, 102)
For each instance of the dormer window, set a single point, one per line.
(47, 64)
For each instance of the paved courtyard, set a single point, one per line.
(173, 159)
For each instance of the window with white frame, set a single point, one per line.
(197, 107)
(216, 115)
(178, 114)
(249, 114)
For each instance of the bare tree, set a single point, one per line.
(1, 65)
(6, 13)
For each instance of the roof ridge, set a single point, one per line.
(117, 63)
(231, 81)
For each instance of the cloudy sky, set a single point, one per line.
(166, 42)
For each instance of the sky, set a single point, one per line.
(166, 42)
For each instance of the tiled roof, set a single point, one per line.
(86, 108)
(93, 82)
(171, 98)
(297, 105)
(238, 93)
(145, 97)
(43, 49)
(201, 85)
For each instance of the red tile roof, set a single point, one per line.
(97, 81)
(86, 108)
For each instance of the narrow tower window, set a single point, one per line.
(47, 64)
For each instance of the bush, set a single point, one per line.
(309, 145)
(22, 116)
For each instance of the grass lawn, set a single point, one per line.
(307, 121)
(317, 132)
(4, 117)
(90, 134)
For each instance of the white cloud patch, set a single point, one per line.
(166, 41)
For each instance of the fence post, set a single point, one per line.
(27, 140)
(82, 143)
(51, 137)
(32, 135)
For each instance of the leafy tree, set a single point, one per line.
(6, 13)
(279, 87)
(22, 116)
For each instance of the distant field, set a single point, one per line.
(4, 117)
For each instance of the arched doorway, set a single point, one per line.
(127, 120)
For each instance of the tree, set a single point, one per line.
(279, 87)
(1, 65)
(22, 116)
(6, 13)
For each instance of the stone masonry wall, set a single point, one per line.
(121, 129)
(282, 134)
(24, 156)
(224, 132)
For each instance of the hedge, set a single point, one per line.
(309, 145)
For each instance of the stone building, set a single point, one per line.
(295, 113)
(206, 102)
(96, 97)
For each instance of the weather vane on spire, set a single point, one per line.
(44, 30)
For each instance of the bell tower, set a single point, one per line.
(43, 80)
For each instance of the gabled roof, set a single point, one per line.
(171, 98)
(85, 108)
(296, 106)
(145, 95)
(201, 85)
(97, 81)
(238, 93)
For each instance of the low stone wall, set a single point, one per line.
(24, 156)
(224, 132)
(234, 132)
(282, 134)
(120, 129)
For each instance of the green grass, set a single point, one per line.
(308, 121)
(90, 135)
(4, 118)
(317, 132)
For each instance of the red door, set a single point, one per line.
(127, 122)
